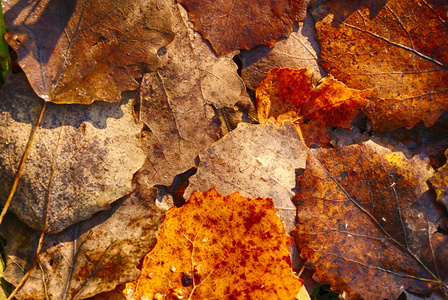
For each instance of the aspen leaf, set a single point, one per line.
(83, 51)
(440, 183)
(288, 94)
(237, 251)
(88, 257)
(82, 159)
(230, 25)
(178, 102)
(367, 224)
(256, 160)
(397, 47)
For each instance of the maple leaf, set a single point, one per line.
(88, 257)
(367, 224)
(399, 48)
(440, 183)
(83, 157)
(230, 25)
(237, 251)
(257, 161)
(298, 51)
(288, 94)
(178, 102)
(83, 51)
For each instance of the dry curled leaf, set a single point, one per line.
(399, 48)
(440, 183)
(367, 224)
(83, 51)
(230, 25)
(298, 51)
(82, 159)
(178, 102)
(288, 94)
(256, 160)
(89, 257)
(237, 251)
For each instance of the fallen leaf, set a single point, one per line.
(83, 51)
(257, 160)
(367, 224)
(82, 159)
(178, 102)
(399, 48)
(89, 257)
(440, 183)
(237, 251)
(298, 51)
(288, 94)
(231, 25)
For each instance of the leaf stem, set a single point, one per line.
(30, 269)
(22, 164)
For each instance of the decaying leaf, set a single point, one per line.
(83, 51)
(256, 160)
(367, 224)
(83, 158)
(298, 51)
(178, 101)
(226, 247)
(88, 257)
(440, 183)
(230, 25)
(399, 48)
(288, 94)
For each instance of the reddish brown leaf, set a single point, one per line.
(400, 48)
(229, 25)
(367, 224)
(83, 51)
(227, 247)
(288, 94)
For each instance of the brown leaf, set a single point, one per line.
(88, 257)
(237, 251)
(178, 102)
(83, 51)
(287, 94)
(257, 160)
(230, 25)
(298, 51)
(83, 158)
(367, 224)
(399, 48)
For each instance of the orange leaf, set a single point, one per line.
(367, 224)
(398, 47)
(288, 94)
(239, 250)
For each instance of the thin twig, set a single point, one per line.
(22, 164)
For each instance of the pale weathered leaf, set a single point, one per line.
(298, 51)
(178, 102)
(89, 257)
(82, 159)
(257, 161)
(82, 51)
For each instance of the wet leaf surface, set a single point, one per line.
(396, 47)
(288, 94)
(230, 25)
(367, 223)
(83, 158)
(88, 257)
(83, 51)
(237, 251)
(257, 161)
(178, 102)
